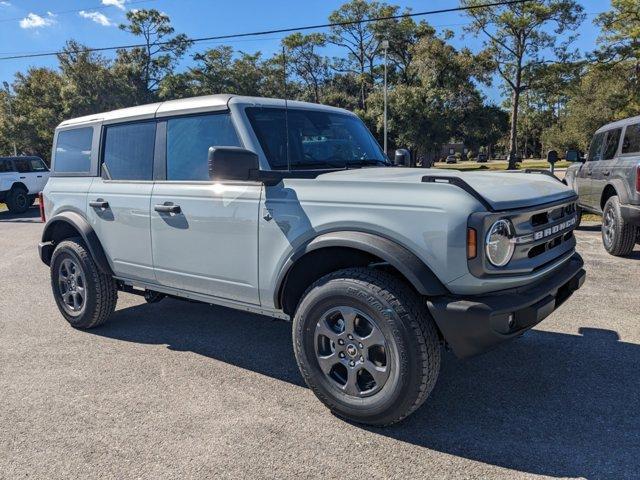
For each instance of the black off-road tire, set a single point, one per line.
(411, 334)
(18, 200)
(618, 235)
(100, 289)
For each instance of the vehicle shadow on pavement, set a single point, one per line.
(30, 216)
(548, 403)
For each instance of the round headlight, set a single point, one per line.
(499, 243)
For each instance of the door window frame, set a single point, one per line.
(605, 142)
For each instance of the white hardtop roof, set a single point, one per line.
(191, 105)
(619, 123)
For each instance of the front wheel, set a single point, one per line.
(85, 296)
(618, 235)
(366, 345)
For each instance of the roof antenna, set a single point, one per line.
(286, 106)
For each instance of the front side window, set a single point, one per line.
(73, 151)
(188, 142)
(37, 165)
(128, 151)
(631, 142)
(316, 139)
(22, 165)
(595, 149)
(611, 144)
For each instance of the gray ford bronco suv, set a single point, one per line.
(607, 182)
(292, 210)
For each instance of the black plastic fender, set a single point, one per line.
(406, 262)
(59, 224)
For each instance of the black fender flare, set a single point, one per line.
(406, 262)
(88, 234)
(620, 188)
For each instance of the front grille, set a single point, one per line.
(542, 236)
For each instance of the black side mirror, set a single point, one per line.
(232, 163)
(402, 158)
(574, 156)
(552, 156)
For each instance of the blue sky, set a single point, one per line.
(29, 26)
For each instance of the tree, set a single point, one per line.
(619, 39)
(89, 84)
(37, 109)
(358, 37)
(146, 66)
(518, 36)
(302, 54)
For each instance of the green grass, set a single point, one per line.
(500, 165)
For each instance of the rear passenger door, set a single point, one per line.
(209, 243)
(25, 174)
(118, 201)
(601, 171)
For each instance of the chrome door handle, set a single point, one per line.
(99, 203)
(266, 214)
(168, 207)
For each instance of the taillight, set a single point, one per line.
(472, 243)
(41, 205)
(638, 179)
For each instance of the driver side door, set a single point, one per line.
(583, 177)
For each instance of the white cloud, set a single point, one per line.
(114, 3)
(97, 17)
(36, 21)
(4, 3)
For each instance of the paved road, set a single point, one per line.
(187, 390)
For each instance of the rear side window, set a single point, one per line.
(22, 165)
(73, 151)
(611, 144)
(595, 149)
(6, 166)
(128, 151)
(188, 142)
(631, 143)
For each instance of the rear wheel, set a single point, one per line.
(618, 236)
(366, 345)
(85, 296)
(18, 200)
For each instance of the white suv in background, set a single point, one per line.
(21, 180)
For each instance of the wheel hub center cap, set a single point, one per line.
(352, 351)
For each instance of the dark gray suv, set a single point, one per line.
(608, 183)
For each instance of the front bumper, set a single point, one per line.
(631, 213)
(475, 324)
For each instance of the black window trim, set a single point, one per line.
(159, 171)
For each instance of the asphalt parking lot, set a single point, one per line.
(187, 390)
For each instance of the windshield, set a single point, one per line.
(317, 139)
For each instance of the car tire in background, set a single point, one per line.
(18, 200)
(366, 345)
(618, 236)
(85, 296)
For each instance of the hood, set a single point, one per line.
(501, 190)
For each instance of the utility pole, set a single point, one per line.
(8, 90)
(385, 45)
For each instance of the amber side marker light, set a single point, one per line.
(41, 205)
(472, 243)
